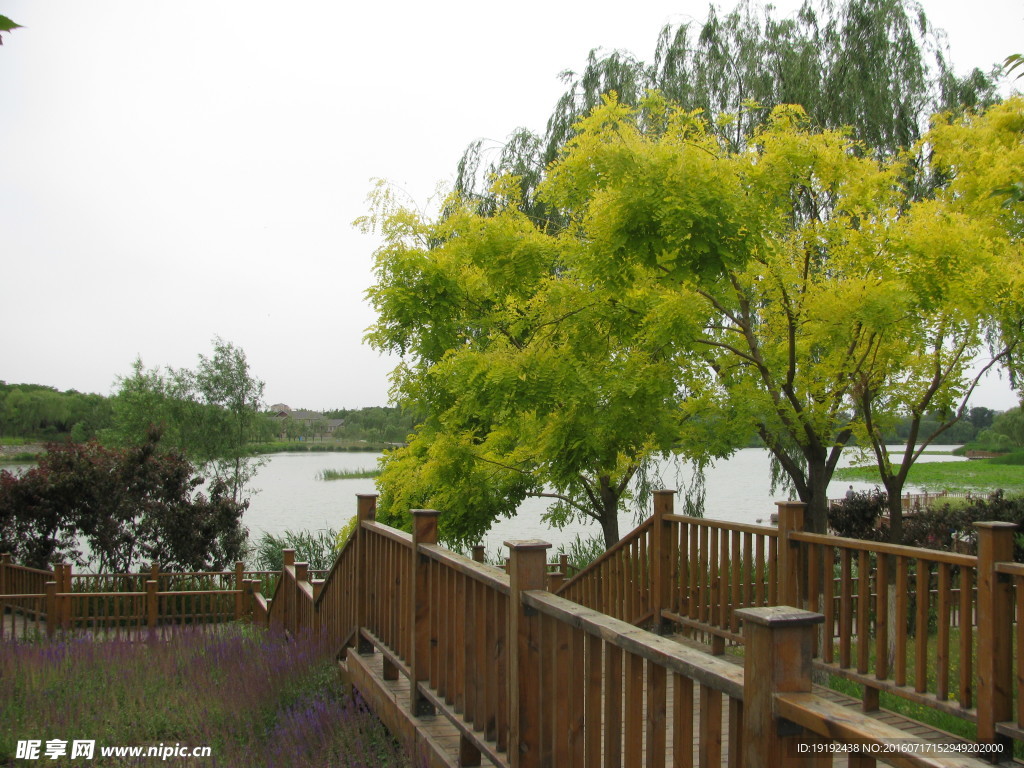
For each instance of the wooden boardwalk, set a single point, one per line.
(437, 738)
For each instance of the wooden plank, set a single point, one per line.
(656, 716)
(942, 629)
(921, 627)
(902, 587)
(592, 689)
(612, 706)
(709, 749)
(633, 745)
(682, 722)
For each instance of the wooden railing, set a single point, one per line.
(687, 571)
(530, 678)
(618, 583)
(117, 605)
(17, 579)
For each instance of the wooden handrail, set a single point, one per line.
(389, 533)
(725, 525)
(714, 672)
(495, 578)
(881, 548)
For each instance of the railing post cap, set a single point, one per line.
(666, 490)
(367, 495)
(423, 512)
(525, 545)
(995, 525)
(800, 504)
(779, 616)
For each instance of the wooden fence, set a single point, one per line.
(531, 678)
(154, 602)
(935, 628)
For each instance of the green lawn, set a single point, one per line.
(957, 476)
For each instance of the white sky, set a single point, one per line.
(175, 171)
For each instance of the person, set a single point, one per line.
(850, 493)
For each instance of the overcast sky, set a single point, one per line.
(177, 171)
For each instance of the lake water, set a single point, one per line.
(291, 498)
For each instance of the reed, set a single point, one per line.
(346, 474)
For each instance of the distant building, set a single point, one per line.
(283, 413)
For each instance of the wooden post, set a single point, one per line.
(526, 572)
(792, 575)
(288, 556)
(5, 560)
(154, 571)
(52, 618)
(64, 603)
(995, 633)
(366, 511)
(152, 606)
(777, 659)
(478, 553)
(424, 531)
(661, 559)
(256, 588)
(239, 587)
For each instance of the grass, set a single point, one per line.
(22, 457)
(257, 700)
(346, 474)
(976, 475)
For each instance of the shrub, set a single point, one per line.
(128, 506)
(857, 516)
(943, 527)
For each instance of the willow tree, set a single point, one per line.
(784, 273)
(527, 385)
(877, 67)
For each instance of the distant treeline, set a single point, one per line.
(39, 412)
(44, 413)
(375, 424)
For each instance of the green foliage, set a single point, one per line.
(209, 414)
(346, 474)
(34, 410)
(1013, 62)
(875, 67)
(317, 548)
(977, 475)
(857, 516)
(6, 25)
(373, 424)
(697, 292)
(526, 384)
(1006, 433)
(941, 527)
(127, 506)
(581, 552)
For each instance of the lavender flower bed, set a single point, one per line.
(255, 699)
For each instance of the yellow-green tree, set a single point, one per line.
(528, 383)
(816, 286)
(698, 293)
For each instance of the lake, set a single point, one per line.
(291, 498)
